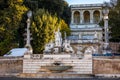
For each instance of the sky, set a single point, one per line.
(86, 1)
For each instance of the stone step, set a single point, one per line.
(79, 66)
(54, 75)
(61, 62)
(37, 60)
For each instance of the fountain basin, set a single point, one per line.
(56, 67)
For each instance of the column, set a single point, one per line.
(79, 35)
(72, 17)
(91, 16)
(28, 33)
(106, 12)
(81, 17)
(106, 30)
(100, 14)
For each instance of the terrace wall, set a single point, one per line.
(106, 66)
(10, 66)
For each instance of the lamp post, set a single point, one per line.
(28, 45)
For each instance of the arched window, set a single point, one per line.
(76, 17)
(96, 16)
(86, 17)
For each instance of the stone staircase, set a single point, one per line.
(80, 67)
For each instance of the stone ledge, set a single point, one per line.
(54, 75)
(108, 75)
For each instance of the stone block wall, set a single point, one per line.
(11, 66)
(80, 66)
(106, 66)
(115, 47)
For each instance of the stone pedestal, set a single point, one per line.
(106, 48)
(57, 50)
(27, 56)
(88, 56)
(56, 56)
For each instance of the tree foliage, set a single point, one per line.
(11, 13)
(13, 22)
(43, 27)
(114, 22)
(55, 7)
(58, 7)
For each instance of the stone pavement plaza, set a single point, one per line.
(14, 78)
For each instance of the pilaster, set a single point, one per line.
(81, 16)
(72, 17)
(101, 16)
(91, 16)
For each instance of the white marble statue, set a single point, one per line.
(92, 50)
(58, 38)
(67, 47)
(88, 52)
(95, 35)
(57, 46)
(49, 47)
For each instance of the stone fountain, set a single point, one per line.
(59, 59)
(58, 47)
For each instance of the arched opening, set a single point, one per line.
(86, 17)
(76, 17)
(96, 16)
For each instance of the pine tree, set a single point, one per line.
(114, 22)
(43, 27)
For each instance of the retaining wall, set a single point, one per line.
(98, 66)
(11, 66)
(106, 66)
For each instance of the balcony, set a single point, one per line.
(87, 27)
(84, 41)
(86, 5)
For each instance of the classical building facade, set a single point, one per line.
(84, 24)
